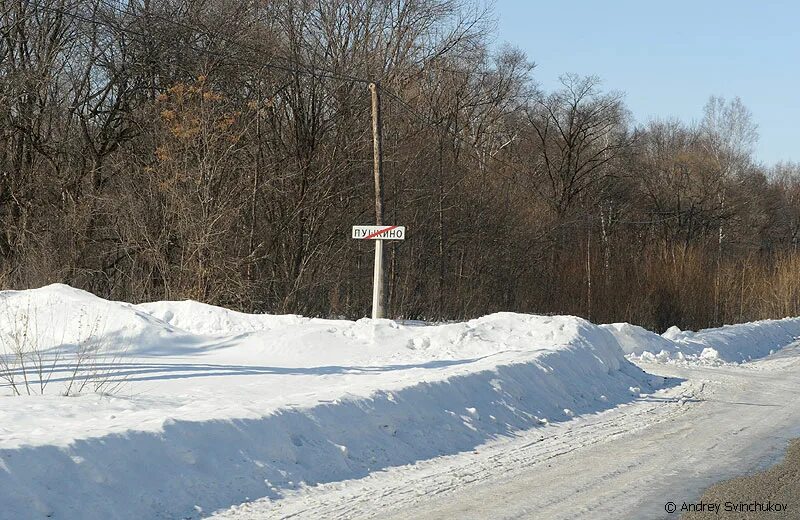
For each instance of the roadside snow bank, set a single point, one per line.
(728, 344)
(218, 407)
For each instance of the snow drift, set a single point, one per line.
(218, 406)
(729, 344)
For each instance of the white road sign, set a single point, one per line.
(379, 232)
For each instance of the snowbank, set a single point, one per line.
(728, 344)
(638, 340)
(218, 407)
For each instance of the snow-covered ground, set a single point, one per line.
(320, 418)
(624, 463)
(729, 344)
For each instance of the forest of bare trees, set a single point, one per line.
(220, 150)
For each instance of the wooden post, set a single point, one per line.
(378, 300)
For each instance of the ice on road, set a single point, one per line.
(627, 462)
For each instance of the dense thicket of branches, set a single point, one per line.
(220, 150)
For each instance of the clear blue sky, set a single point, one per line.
(669, 56)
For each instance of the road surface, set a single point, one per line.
(773, 493)
(628, 462)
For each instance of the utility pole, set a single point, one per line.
(378, 301)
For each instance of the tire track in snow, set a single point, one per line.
(621, 463)
(406, 485)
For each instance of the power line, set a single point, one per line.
(429, 121)
(292, 67)
(297, 67)
(432, 122)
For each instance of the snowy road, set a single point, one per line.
(627, 462)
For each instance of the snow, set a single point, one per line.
(218, 407)
(728, 344)
(623, 463)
